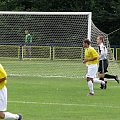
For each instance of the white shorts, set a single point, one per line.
(3, 99)
(92, 71)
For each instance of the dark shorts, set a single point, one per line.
(103, 65)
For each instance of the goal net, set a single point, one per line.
(56, 48)
(56, 33)
(114, 67)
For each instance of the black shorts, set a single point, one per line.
(103, 65)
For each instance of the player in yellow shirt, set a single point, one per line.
(91, 60)
(3, 98)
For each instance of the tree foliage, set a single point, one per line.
(106, 13)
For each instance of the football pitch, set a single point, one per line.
(55, 90)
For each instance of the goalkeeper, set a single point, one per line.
(27, 46)
(3, 98)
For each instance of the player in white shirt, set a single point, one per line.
(103, 62)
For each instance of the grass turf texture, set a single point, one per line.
(44, 90)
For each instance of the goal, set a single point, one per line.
(114, 67)
(54, 34)
(57, 37)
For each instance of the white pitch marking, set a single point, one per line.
(43, 76)
(114, 86)
(48, 76)
(65, 104)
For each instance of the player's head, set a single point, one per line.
(26, 32)
(100, 39)
(86, 43)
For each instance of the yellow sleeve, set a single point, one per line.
(3, 73)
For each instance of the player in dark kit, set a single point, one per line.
(103, 62)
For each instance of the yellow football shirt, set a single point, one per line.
(91, 53)
(3, 74)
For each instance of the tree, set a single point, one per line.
(106, 13)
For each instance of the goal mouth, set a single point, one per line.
(49, 30)
(114, 67)
(56, 36)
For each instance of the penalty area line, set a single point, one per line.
(44, 76)
(66, 104)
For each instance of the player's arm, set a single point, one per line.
(3, 74)
(26, 38)
(3, 79)
(94, 54)
(90, 59)
(30, 39)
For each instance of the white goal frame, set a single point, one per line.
(88, 20)
(56, 13)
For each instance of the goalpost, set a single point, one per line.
(114, 67)
(56, 35)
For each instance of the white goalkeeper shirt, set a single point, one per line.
(102, 50)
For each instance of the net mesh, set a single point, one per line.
(55, 37)
(64, 30)
(114, 67)
(46, 30)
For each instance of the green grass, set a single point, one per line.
(54, 90)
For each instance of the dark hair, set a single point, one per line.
(87, 41)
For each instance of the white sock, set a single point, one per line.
(10, 116)
(96, 80)
(102, 82)
(90, 85)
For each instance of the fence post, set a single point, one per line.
(21, 52)
(51, 52)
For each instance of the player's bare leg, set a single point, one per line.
(25, 53)
(2, 115)
(9, 116)
(29, 50)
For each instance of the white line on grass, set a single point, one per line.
(114, 86)
(49, 76)
(43, 76)
(66, 104)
